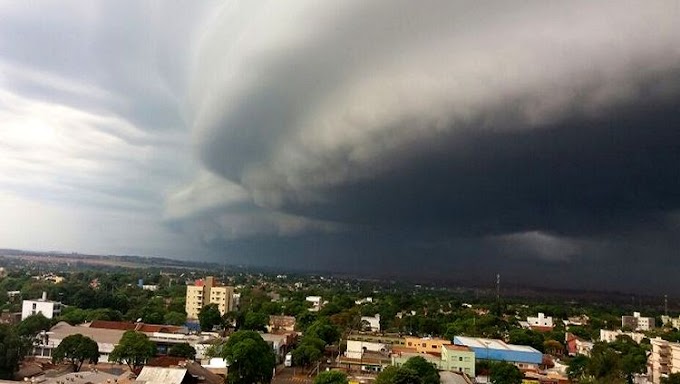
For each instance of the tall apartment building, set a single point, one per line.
(637, 322)
(664, 359)
(208, 291)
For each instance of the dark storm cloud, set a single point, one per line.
(465, 119)
(454, 131)
(531, 138)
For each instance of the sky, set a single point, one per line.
(447, 140)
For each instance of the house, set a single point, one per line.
(576, 345)
(280, 343)
(163, 375)
(94, 376)
(540, 323)
(316, 301)
(426, 344)
(637, 322)
(458, 358)
(576, 321)
(202, 374)
(106, 339)
(371, 323)
(7, 317)
(363, 301)
(365, 356)
(356, 348)
(281, 323)
(48, 308)
(150, 287)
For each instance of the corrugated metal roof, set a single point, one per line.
(159, 375)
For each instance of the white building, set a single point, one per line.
(363, 301)
(371, 322)
(150, 287)
(541, 321)
(671, 321)
(664, 359)
(637, 322)
(48, 308)
(316, 301)
(356, 348)
(610, 336)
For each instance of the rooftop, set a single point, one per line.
(454, 347)
(160, 375)
(478, 342)
(102, 336)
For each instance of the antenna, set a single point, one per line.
(498, 287)
(665, 304)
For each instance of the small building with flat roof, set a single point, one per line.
(522, 356)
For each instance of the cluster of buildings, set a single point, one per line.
(373, 352)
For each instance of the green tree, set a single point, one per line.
(134, 349)
(527, 337)
(426, 371)
(673, 378)
(505, 373)
(182, 350)
(306, 354)
(209, 317)
(578, 368)
(407, 376)
(331, 377)
(387, 375)
(32, 325)
(76, 349)
(250, 358)
(255, 321)
(12, 351)
(324, 330)
(175, 318)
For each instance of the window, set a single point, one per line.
(424, 345)
(410, 344)
(434, 347)
(460, 359)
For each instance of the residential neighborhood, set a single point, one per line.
(361, 336)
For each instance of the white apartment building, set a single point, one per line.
(541, 320)
(610, 336)
(671, 321)
(48, 308)
(637, 322)
(664, 359)
(204, 292)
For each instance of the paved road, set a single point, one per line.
(286, 376)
